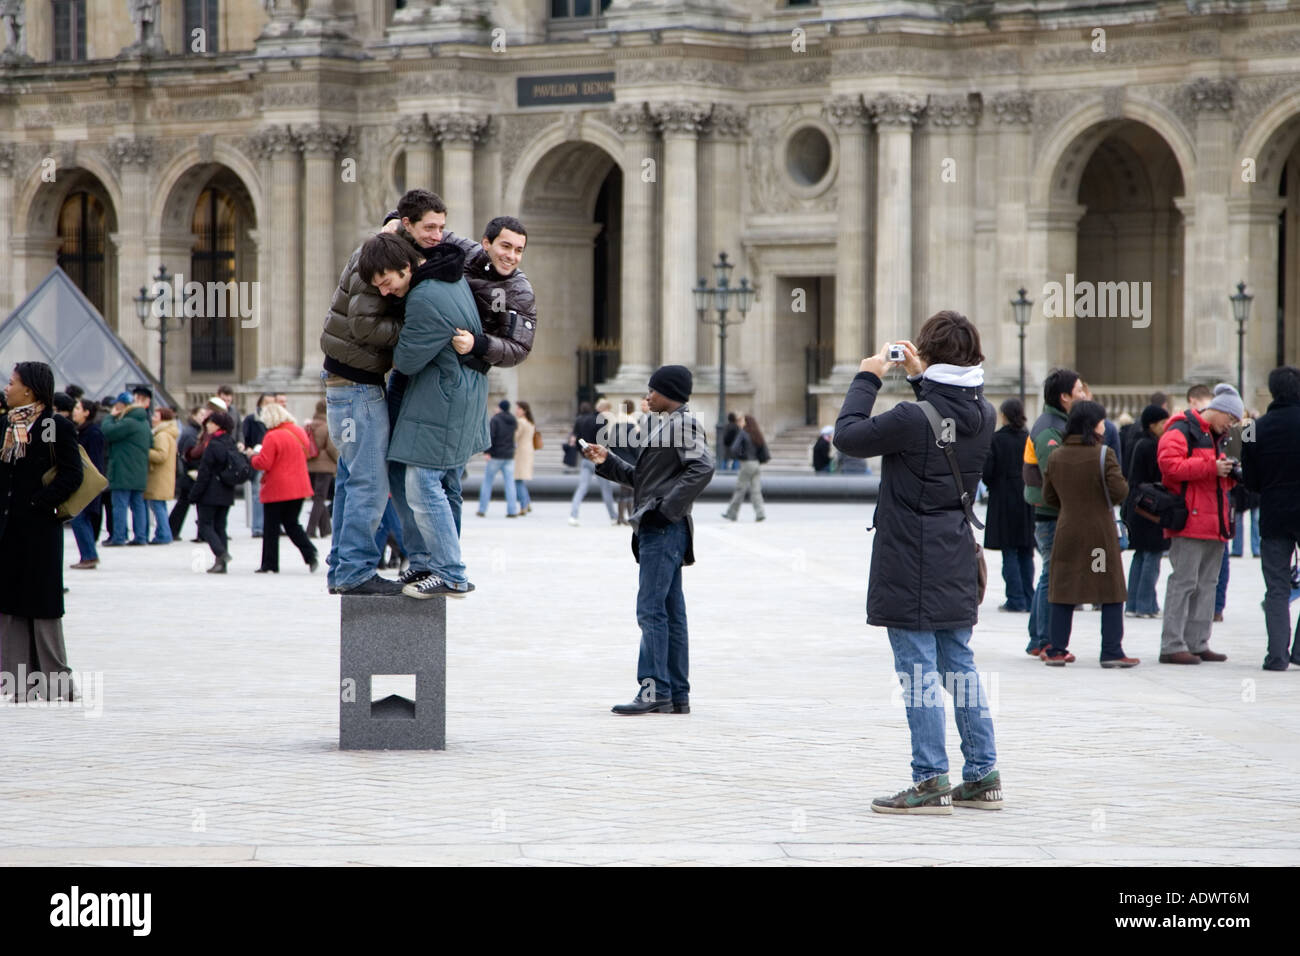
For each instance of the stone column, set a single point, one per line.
(1012, 114)
(320, 146)
(7, 300)
(894, 115)
(849, 117)
(458, 132)
(640, 331)
(131, 157)
(279, 352)
(948, 277)
(680, 124)
(1254, 224)
(1209, 336)
(720, 212)
(418, 136)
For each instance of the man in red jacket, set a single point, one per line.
(1191, 462)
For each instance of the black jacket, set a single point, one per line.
(208, 488)
(674, 466)
(502, 431)
(587, 427)
(742, 447)
(1271, 466)
(1010, 521)
(1143, 533)
(821, 454)
(623, 439)
(31, 535)
(252, 431)
(924, 575)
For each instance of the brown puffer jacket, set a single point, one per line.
(362, 326)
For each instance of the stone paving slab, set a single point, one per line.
(216, 737)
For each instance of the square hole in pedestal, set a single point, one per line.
(392, 696)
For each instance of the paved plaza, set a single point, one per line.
(215, 740)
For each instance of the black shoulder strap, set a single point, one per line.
(936, 426)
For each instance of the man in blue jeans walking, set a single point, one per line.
(923, 586)
(500, 459)
(674, 466)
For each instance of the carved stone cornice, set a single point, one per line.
(130, 151)
(632, 119)
(846, 112)
(1013, 109)
(726, 120)
(1211, 96)
(7, 156)
(960, 109)
(414, 130)
(460, 128)
(896, 110)
(680, 119)
(323, 139)
(274, 142)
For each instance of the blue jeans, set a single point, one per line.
(134, 502)
(1254, 534)
(1018, 576)
(357, 416)
(429, 495)
(1142, 576)
(1039, 611)
(1221, 590)
(664, 661)
(926, 661)
(84, 532)
(162, 530)
(390, 523)
(584, 482)
(507, 468)
(253, 491)
(409, 534)
(521, 495)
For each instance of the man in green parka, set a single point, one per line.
(129, 436)
(443, 419)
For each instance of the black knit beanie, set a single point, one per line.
(672, 382)
(1152, 414)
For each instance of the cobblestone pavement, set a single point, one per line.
(216, 737)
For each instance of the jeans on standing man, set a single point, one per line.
(133, 501)
(162, 533)
(664, 660)
(253, 493)
(84, 532)
(506, 467)
(430, 493)
(1018, 576)
(1254, 534)
(1040, 609)
(357, 416)
(584, 482)
(929, 656)
(1143, 573)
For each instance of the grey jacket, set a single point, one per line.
(674, 466)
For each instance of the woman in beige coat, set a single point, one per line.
(524, 432)
(160, 486)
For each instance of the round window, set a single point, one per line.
(808, 156)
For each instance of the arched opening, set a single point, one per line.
(212, 337)
(572, 208)
(1128, 282)
(1286, 323)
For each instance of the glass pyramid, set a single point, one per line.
(57, 325)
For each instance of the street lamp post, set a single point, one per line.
(722, 295)
(1020, 311)
(1241, 312)
(144, 312)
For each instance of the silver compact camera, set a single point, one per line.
(896, 353)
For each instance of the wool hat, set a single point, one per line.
(504, 405)
(125, 398)
(1227, 400)
(672, 382)
(1152, 414)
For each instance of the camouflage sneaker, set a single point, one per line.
(982, 794)
(928, 796)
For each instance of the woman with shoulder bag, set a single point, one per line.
(285, 486)
(212, 496)
(526, 444)
(1083, 480)
(32, 648)
(321, 470)
(1145, 536)
(749, 448)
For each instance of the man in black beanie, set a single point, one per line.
(675, 465)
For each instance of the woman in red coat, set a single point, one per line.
(283, 457)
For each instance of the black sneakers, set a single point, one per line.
(376, 585)
(412, 576)
(432, 586)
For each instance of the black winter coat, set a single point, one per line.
(1143, 533)
(1271, 466)
(1010, 521)
(501, 429)
(31, 535)
(924, 576)
(208, 488)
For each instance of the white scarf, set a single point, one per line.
(966, 376)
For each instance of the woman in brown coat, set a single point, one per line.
(1086, 566)
(321, 470)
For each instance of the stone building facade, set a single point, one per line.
(863, 162)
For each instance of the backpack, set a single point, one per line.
(237, 470)
(1155, 502)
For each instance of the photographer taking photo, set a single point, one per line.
(924, 583)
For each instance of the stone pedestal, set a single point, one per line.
(398, 636)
